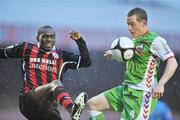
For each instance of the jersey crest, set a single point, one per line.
(140, 49)
(55, 55)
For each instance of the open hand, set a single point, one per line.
(158, 90)
(108, 54)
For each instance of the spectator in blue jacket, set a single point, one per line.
(161, 112)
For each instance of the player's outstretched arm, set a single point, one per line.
(13, 51)
(108, 55)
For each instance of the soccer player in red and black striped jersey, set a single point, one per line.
(43, 65)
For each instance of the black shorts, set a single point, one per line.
(32, 111)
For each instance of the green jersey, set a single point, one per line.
(141, 70)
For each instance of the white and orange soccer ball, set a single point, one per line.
(122, 49)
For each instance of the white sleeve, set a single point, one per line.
(161, 49)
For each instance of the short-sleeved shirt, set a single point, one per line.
(141, 70)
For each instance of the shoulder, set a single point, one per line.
(153, 33)
(24, 44)
(60, 51)
(17, 45)
(65, 51)
(151, 36)
(159, 41)
(30, 45)
(155, 37)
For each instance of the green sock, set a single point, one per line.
(95, 115)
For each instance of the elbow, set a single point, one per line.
(88, 63)
(176, 65)
(173, 62)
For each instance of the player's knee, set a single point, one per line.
(55, 83)
(93, 104)
(98, 103)
(89, 103)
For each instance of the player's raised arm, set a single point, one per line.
(77, 61)
(75, 35)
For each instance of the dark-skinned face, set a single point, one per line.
(47, 39)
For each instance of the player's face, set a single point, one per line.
(47, 40)
(135, 27)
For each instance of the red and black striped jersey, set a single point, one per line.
(41, 67)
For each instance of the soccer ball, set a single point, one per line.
(122, 49)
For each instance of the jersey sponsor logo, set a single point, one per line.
(43, 64)
(42, 60)
(43, 67)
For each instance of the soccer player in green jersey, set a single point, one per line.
(136, 98)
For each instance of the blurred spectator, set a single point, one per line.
(161, 112)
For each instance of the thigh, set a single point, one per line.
(32, 111)
(138, 104)
(98, 103)
(41, 92)
(114, 98)
(44, 94)
(29, 107)
(108, 100)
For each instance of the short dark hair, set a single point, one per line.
(139, 12)
(46, 26)
(41, 29)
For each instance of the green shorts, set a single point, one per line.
(131, 103)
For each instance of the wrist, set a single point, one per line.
(79, 41)
(161, 83)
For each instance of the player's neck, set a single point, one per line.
(47, 52)
(144, 32)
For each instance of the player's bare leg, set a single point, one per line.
(46, 94)
(97, 105)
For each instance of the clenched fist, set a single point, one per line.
(75, 35)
